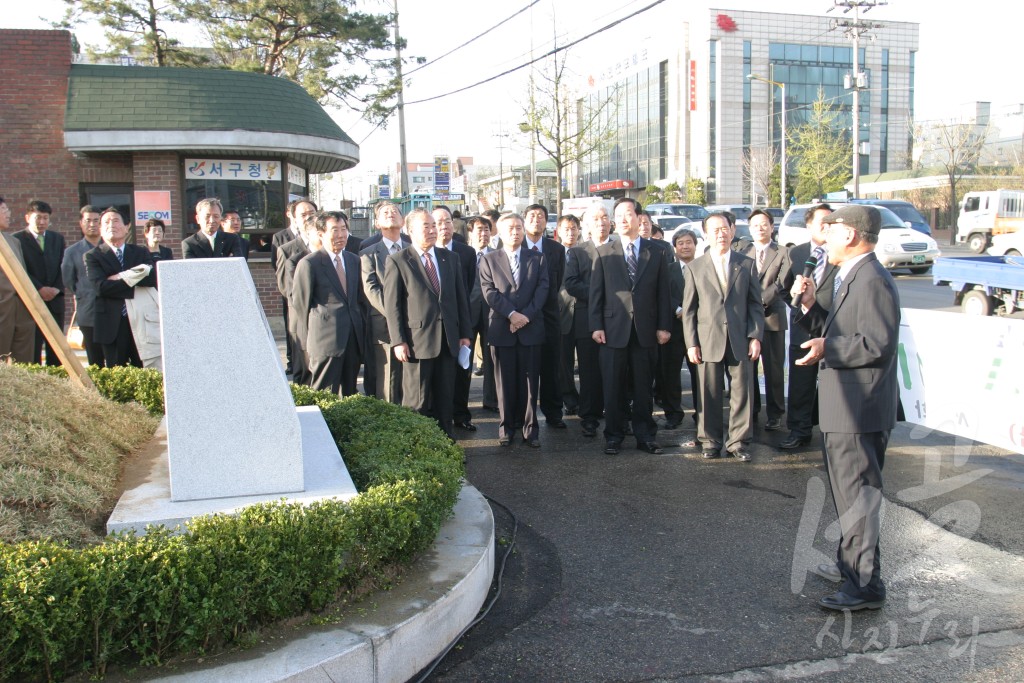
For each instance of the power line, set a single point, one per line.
(554, 51)
(473, 39)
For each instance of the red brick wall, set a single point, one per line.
(266, 284)
(34, 68)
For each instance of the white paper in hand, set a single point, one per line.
(464, 355)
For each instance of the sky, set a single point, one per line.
(966, 53)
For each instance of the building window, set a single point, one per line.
(746, 115)
(712, 116)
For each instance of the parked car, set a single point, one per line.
(898, 246)
(905, 210)
(694, 212)
(741, 211)
(776, 214)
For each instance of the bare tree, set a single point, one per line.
(956, 146)
(562, 126)
(758, 165)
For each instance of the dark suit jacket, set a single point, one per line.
(429, 323)
(354, 245)
(280, 238)
(554, 255)
(373, 261)
(101, 263)
(43, 267)
(792, 266)
(857, 378)
(618, 308)
(676, 286)
(325, 316)
(225, 244)
(467, 261)
(164, 254)
(711, 317)
(503, 296)
(73, 274)
(244, 244)
(288, 256)
(775, 318)
(478, 309)
(577, 286)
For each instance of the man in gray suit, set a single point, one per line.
(427, 309)
(630, 315)
(384, 372)
(288, 256)
(854, 344)
(328, 309)
(17, 328)
(72, 270)
(514, 282)
(769, 257)
(723, 320)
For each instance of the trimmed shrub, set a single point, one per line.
(148, 599)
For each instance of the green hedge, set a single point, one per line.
(147, 599)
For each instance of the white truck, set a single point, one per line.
(984, 214)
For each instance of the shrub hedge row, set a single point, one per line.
(150, 598)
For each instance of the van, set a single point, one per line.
(984, 214)
(905, 210)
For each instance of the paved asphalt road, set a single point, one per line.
(670, 568)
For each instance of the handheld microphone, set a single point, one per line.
(809, 265)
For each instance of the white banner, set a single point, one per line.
(964, 375)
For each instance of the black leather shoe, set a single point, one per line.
(491, 409)
(793, 442)
(709, 454)
(840, 601)
(612, 448)
(467, 425)
(830, 571)
(741, 454)
(589, 430)
(651, 447)
(773, 424)
(505, 442)
(533, 443)
(557, 423)
(572, 410)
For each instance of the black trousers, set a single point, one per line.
(567, 374)
(516, 376)
(588, 358)
(772, 362)
(339, 374)
(671, 357)
(428, 387)
(854, 464)
(801, 408)
(93, 350)
(623, 370)
(56, 308)
(122, 351)
(550, 386)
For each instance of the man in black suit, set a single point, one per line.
(106, 266)
(210, 241)
(769, 258)
(672, 355)
(383, 373)
(536, 222)
(231, 223)
(568, 233)
(297, 213)
(723, 321)
(43, 251)
(578, 269)
(802, 403)
(630, 315)
(442, 216)
(479, 229)
(327, 307)
(855, 344)
(427, 309)
(514, 281)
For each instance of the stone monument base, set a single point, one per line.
(147, 496)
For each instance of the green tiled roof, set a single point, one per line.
(103, 97)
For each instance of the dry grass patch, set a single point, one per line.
(60, 456)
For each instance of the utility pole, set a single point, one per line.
(403, 159)
(857, 80)
(501, 135)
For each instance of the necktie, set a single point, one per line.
(535, 248)
(515, 268)
(393, 248)
(120, 259)
(819, 270)
(631, 262)
(479, 255)
(42, 240)
(428, 264)
(760, 261)
(340, 267)
(835, 288)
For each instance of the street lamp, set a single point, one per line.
(782, 151)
